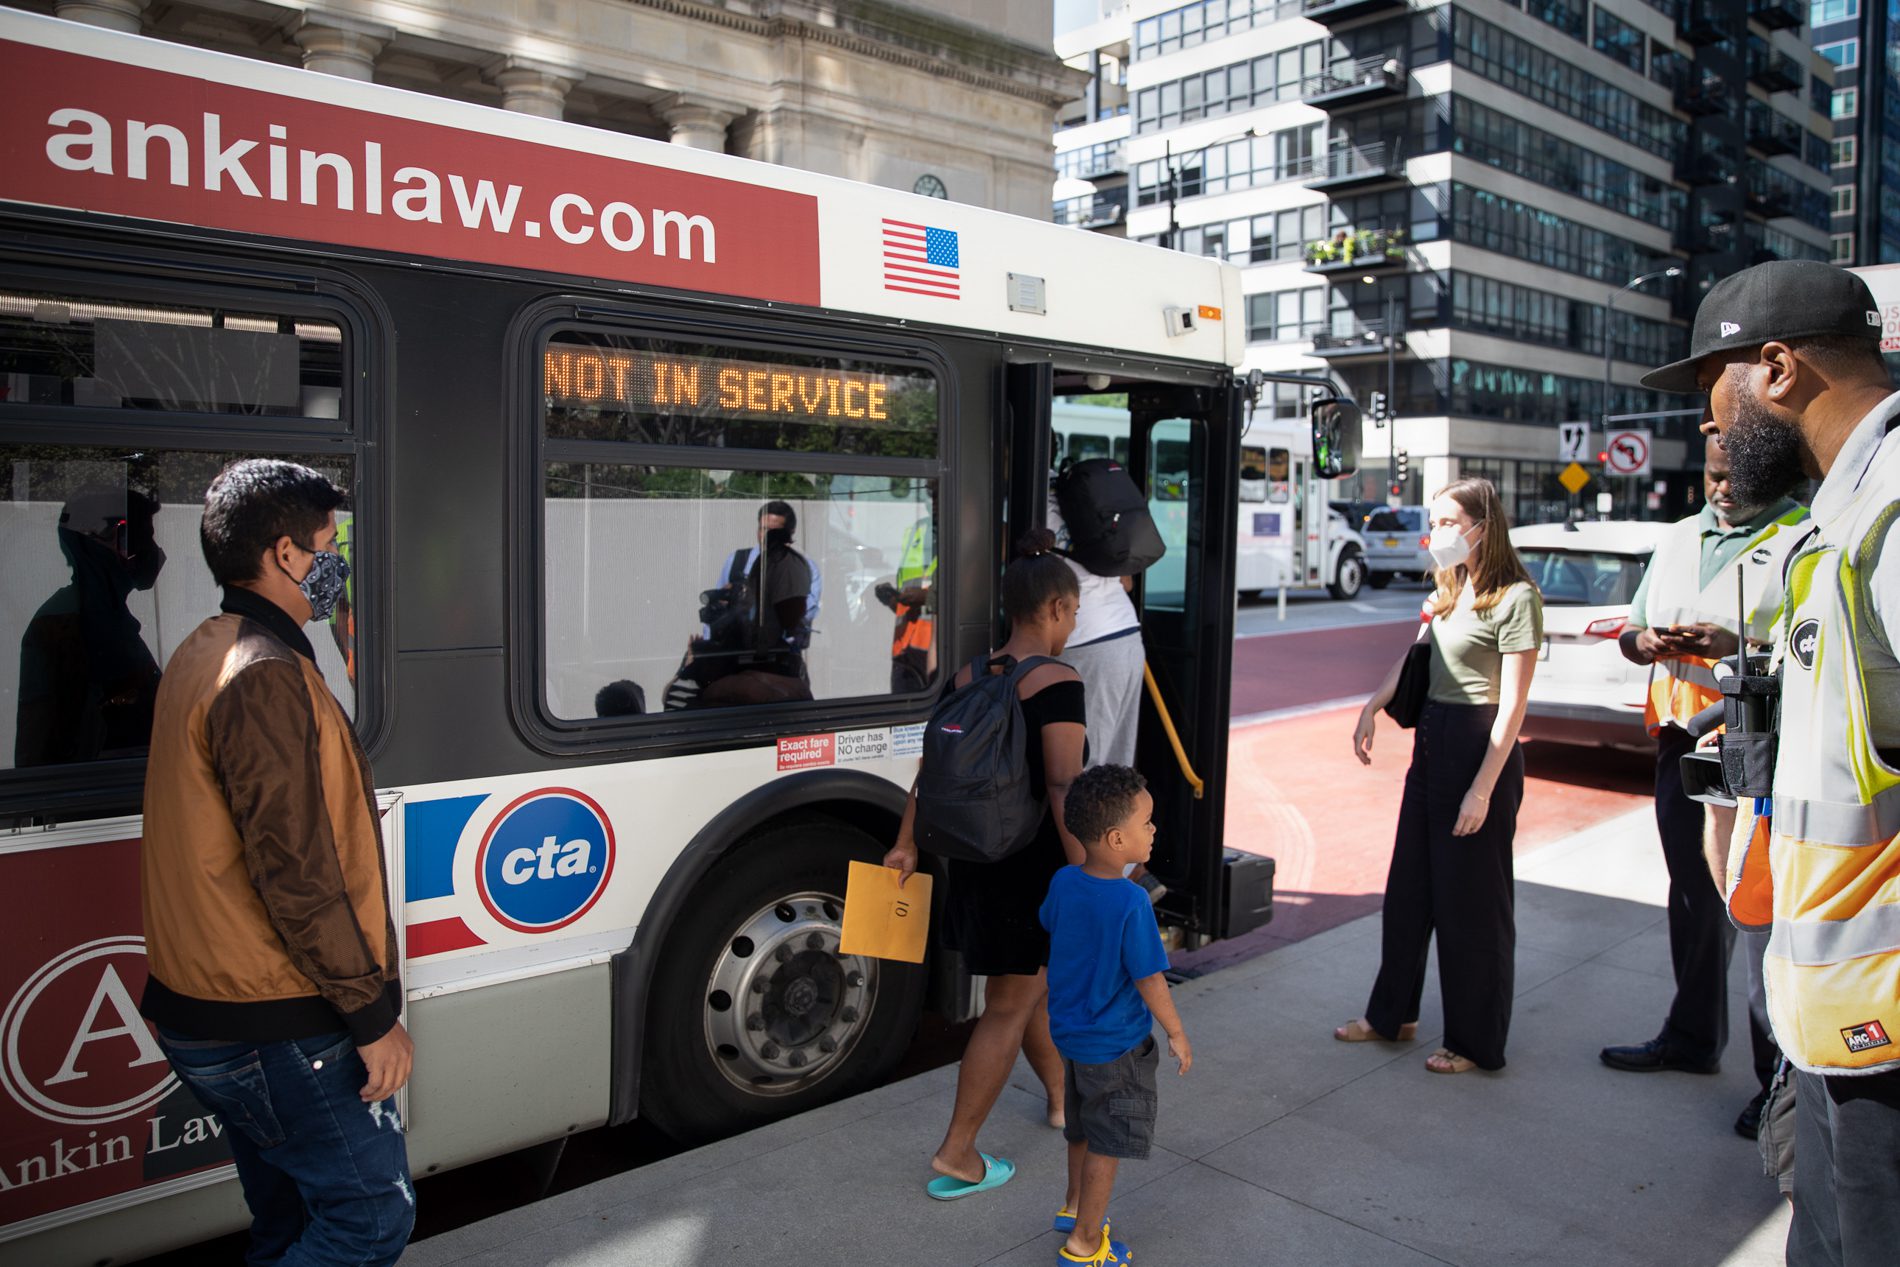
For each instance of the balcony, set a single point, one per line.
(1345, 10)
(1778, 14)
(1344, 166)
(1710, 239)
(1098, 212)
(1709, 21)
(1700, 170)
(1771, 132)
(1768, 197)
(1366, 251)
(1346, 336)
(1772, 71)
(1700, 95)
(1374, 78)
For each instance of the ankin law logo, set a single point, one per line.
(73, 1047)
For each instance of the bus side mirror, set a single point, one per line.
(1336, 436)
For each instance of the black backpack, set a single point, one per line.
(1111, 532)
(973, 798)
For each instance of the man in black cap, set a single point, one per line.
(1789, 353)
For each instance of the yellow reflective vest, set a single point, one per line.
(1823, 873)
(1679, 689)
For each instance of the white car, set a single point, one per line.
(1584, 691)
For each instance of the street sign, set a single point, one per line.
(1573, 441)
(1573, 477)
(1626, 452)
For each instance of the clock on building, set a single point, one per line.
(930, 187)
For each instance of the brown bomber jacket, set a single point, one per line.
(265, 896)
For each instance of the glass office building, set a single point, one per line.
(1859, 38)
(1474, 207)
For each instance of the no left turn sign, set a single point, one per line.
(1626, 452)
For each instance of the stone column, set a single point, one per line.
(113, 15)
(531, 87)
(335, 44)
(696, 124)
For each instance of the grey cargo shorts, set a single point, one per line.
(1111, 1107)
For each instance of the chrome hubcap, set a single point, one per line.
(783, 1008)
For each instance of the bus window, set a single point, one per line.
(64, 349)
(774, 585)
(1083, 446)
(1253, 473)
(1279, 475)
(105, 578)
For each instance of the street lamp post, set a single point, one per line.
(1609, 330)
(1167, 160)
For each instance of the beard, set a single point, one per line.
(1764, 454)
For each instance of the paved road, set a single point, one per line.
(1294, 670)
(1309, 610)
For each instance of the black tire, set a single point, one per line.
(692, 1091)
(1349, 576)
(1378, 580)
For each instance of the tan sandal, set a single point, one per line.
(1358, 1030)
(1445, 1060)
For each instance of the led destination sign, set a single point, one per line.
(641, 381)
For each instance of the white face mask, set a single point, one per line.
(1449, 547)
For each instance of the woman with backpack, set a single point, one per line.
(1451, 860)
(990, 910)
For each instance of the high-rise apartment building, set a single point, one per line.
(1473, 207)
(1862, 39)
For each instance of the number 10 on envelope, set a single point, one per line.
(882, 920)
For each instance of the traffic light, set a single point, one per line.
(1403, 470)
(1377, 404)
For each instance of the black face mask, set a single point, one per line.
(1764, 454)
(777, 538)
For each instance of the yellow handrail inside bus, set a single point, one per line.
(1174, 737)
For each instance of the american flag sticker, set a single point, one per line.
(920, 260)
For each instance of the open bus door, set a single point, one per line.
(1183, 448)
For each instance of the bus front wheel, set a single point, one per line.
(1350, 575)
(755, 1014)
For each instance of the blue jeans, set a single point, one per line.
(326, 1175)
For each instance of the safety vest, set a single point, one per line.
(1823, 873)
(915, 630)
(1679, 689)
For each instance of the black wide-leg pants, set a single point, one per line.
(1460, 887)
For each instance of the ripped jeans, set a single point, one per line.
(326, 1176)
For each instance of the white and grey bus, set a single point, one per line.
(561, 372)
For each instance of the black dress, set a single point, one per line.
(991, 909)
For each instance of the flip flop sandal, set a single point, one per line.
(1358, 1031)
(1448, 1062)
(1110, 1254)
(997, 1171)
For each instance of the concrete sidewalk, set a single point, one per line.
(1282, 1146)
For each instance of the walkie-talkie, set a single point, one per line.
(1750, 711)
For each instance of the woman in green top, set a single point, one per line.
(1451, 862)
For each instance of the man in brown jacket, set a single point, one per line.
(274, 982)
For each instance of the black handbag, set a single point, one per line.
(1415, 679)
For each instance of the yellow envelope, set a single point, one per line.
(881, 920)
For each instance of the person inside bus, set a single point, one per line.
(275, 982)
(87, 677)
(991, 911)
(1451, 860)
(908, 595)
(757, 619)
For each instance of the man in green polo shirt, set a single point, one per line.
(1682, 619)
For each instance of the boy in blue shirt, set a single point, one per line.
(1105, 991)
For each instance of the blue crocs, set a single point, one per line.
(1065, 1222)
(997, 1171)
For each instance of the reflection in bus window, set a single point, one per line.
(1253, 473)
(1170, 489)
(60, 349)
(771, 587)
(103, 578)
(1279, 475)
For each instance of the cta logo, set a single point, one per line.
(1804, 642)
(545, 860)
(73, 1047)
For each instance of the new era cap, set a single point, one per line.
(1782, 299)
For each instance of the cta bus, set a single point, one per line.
(565, 375)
